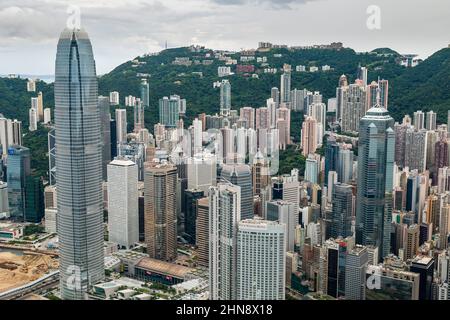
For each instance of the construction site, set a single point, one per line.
(19, 269)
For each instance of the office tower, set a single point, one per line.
(202, 231)
(113, 131)
(260, 173)
(47, 116)
(248, 114)
(285, 96)
(105, 119)
(121, 126)
(334, 254)
(345, 164)
(309, 136)
(240, 175)
(34, 199)
(412, 241)
(284, 213)
(78, 165)
(354, 106)
(389, 283)
(262, 118)
(261, 267)
(190, 212)
(51, 157)
(134, 151)
(4, 204)
(312, 169)
(286, 188)
(123, 215)
(161, 211)
(355, 273)
(341, 217)
(40, 108)
(197, 137)
(50, 197)
(225, 98)
(443, 179)
(31, 85)
(415, 149)
(114, 98)
(419, 120)
(375, 175)
(169, 110)
(362, 75)
(332, 179)
(444, 226)
(224, 215)
(33, 119)
(18, 171)
(202, 172)
(430, 123)
(145, 94)
(424, 266)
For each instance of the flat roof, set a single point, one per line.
(165, 268)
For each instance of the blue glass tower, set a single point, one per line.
(78, 166)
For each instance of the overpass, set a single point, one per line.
(46, 280)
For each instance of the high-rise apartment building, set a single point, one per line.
(309, 136)
(225, 98)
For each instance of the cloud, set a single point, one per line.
(276, 4)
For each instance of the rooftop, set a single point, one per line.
(164, 267)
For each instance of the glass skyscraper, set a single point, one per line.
(78, 166)
(18, 171)
(375, 179)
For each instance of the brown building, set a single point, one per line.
(202, 232)
(161, 211)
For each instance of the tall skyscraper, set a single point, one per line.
(17, 173)
(415, 149)
(145, 94)
(121, 125)
(225, 98)
(341, 221)
(354, 106)
(34, 199)
(248, 114)
(161, 211)
(33, 119)
(123, 211)
(286, 87)
(78, 166)
(202, 231)
(284, 213)
(224, 215)
(240, 175)
(40, 108)
(105, 118)
(375, 179)
(261, 260)
(169, 110)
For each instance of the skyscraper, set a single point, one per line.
(145, 94)
(309, 136)
(78, 166)
(353, 106)
(161, 211)
(105, 118)
(33, 119)
(261, 260)
(341, 221)
(419, 120)
(169, 110)
(123, 214)
(240, 175)
(40, 107)
(225, 98)
(375, 179)
(202, 231)
(224, 215)
(17, 173)
(430, 123)
(286, 87)
(121, 125)
(355, 273)
(284, 213)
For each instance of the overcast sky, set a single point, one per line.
(123, 29)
